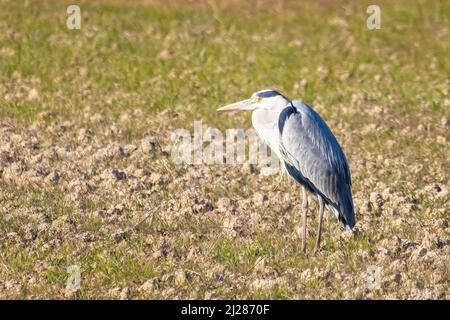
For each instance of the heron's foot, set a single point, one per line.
(303, 250)
(279, 185)
(315, 251)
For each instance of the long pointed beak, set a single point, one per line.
(241, 105)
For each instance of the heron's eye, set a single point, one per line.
(257, 99)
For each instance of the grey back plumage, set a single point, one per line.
(314, 158)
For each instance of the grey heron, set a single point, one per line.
(308, 151)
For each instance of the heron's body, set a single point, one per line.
(309, 153)
(307, 149)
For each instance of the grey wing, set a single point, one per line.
(313, 157)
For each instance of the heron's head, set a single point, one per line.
(264, 99)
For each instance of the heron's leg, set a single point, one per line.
(319, 227)
(280, 181)
(280, 177)
(305, 212)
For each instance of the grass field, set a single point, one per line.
(87, 180)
